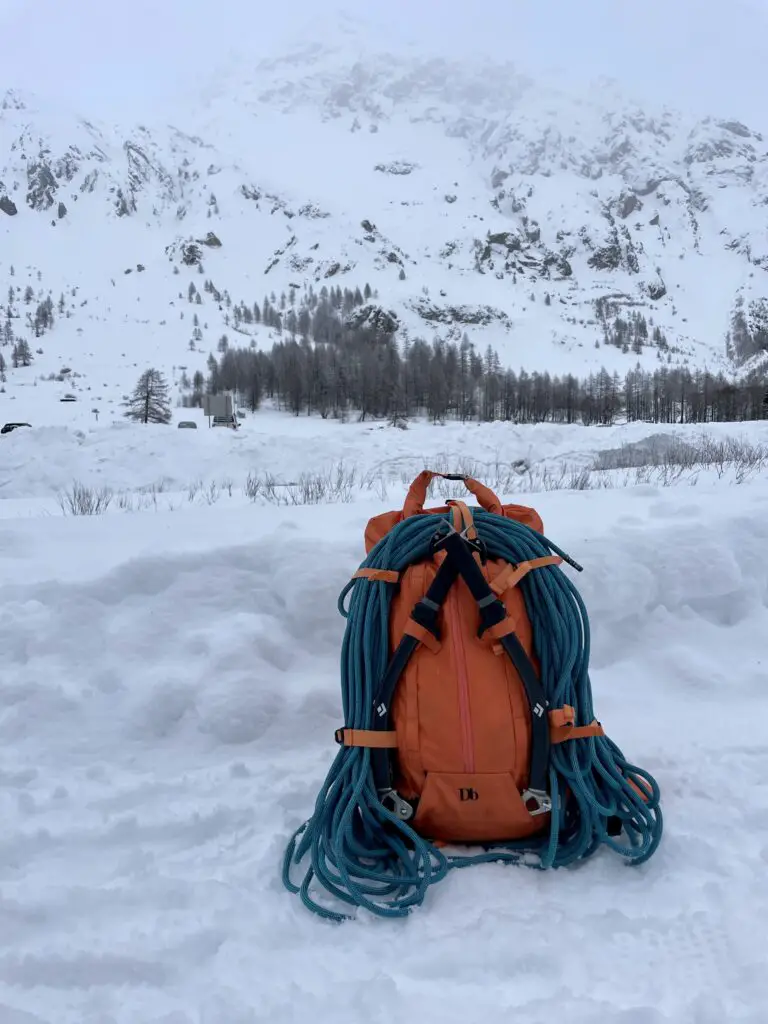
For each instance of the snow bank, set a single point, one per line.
(41, 462)
(167, 709)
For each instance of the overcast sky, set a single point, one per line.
(130, 60)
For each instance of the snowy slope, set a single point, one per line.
(469, 196)
(167, 708)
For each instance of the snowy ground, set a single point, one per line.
(162, 467)
(167, 705)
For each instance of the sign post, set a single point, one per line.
(217, 405)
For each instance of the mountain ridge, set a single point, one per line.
(470, 197)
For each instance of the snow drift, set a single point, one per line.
(167, 709)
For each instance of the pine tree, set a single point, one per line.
(150, 401)
(22, 353)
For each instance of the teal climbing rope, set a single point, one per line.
(360, 852)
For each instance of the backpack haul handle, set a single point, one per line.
(417, 493)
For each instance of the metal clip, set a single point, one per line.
(541, 800)
(400, 807)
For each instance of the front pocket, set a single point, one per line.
(460, 807)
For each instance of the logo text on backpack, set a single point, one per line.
(468, 794)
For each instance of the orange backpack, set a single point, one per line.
(468, 713)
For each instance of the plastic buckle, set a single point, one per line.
(542, 802)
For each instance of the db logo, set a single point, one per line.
(468, 794)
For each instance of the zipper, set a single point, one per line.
(462, 677)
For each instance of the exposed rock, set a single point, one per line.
(331, 268)
(374, 318)
(396, 167)
(737, 128)
(628, 203)
(474, 315)
(8, 206)
(41, 185)
(607, 257)
(313, 212)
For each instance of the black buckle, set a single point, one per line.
(439, 539)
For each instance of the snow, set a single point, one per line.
(167, 705)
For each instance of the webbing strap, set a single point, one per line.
(380, 575)
(424, 615)
(375, 740)
(562, 726)
(464, 517)
(575, 732)
(367, 738)
(422, 635)
(511, 575)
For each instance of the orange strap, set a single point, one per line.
(463, 522)
(512, 575)
(503, 628)
(417, 493)
(562, 727)
(412, 628)
(467, 520)
(559, 732)
(381, 575)
(642, 791)
(366, 738)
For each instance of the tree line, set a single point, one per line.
(369, 375)
(339, 356)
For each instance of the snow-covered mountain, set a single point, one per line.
(568, 231)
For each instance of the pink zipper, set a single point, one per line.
(460, 658)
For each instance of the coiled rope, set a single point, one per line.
(364, 855)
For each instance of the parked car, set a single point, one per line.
(225, 421)
(12, 426)
(187, 425)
